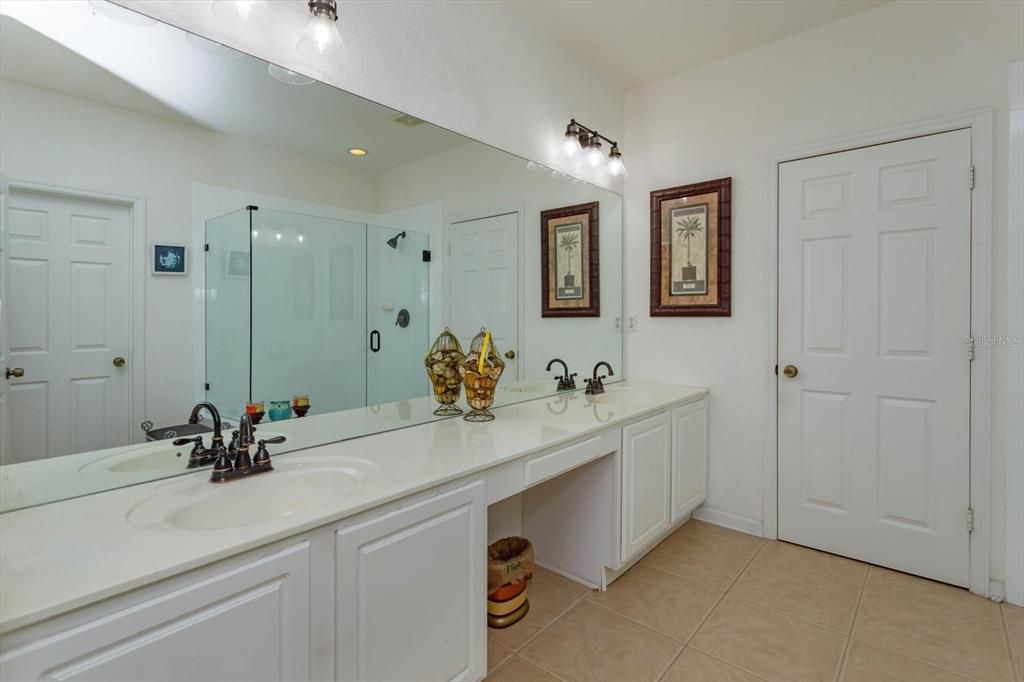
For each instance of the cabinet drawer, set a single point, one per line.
(548, 465)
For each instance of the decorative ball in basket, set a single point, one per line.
(510, 566)
(442, 363)
(480, 373)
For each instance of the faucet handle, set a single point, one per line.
(178, 442)
(235, 442)
(571, 379)
(262, 456)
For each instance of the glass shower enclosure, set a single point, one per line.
(306, 305)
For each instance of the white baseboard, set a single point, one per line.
(727, 520)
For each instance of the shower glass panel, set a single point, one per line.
(227, 309)
(305, 305)
(397, 305)
(309, 309)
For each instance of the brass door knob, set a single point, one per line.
(16, 372)
(118, 361)
(510, 354)
(790, 371)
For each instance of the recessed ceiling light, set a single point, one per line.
(357, 151)
(288, 76)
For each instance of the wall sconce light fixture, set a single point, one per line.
(579, 137)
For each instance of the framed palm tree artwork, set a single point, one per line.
(691, 237)
(570, 277)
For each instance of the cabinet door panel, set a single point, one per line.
(646, 458)
(250, 622)
(689, 458)
(411, 591)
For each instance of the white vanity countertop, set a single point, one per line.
(65, 555)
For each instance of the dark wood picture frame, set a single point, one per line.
(715, 298)
(590, 302)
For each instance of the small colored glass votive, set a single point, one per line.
(280, 409)
(300, 404)
(255, 411)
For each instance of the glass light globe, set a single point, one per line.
(243, 10)
(321, 38)
(594, 155)
(571, 146)
(616, 167)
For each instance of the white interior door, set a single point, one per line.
(484, 284)
(874, 307)
(67, 324)
(4, 423)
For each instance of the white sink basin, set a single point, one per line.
(292, 487)
(158, 457)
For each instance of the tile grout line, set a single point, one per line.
(743, 570)
(885, 647)
(517, 652)
(1017, 674)
(853, 625)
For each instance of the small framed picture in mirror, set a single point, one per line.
(690, 249)
(169, 259)
(569, 270)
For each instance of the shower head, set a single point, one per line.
(393, 242)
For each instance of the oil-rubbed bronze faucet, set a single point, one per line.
(232, 464)
(595, 385)
(566, 382)
(200, 455)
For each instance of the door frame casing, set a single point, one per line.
(137, 267)
(980, 123)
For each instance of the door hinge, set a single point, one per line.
(776, 370)
(206, 247)
(207, 387)
(970, 177)
(970, 349)
(426, 255)
(970, 520)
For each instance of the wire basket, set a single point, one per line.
(480, 373)
(442, 362)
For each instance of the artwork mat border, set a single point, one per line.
(592, 261)
(723, 307)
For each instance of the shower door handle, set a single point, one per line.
(374, 341)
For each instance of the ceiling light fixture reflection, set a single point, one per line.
(357, 151)
(615, 165)
(244, 10)
(571, 146)
(321, 37)
(288, 76)
(120, 14)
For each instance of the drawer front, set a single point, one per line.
(549, 465)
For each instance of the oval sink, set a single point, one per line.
(293, 487)
(160, 456)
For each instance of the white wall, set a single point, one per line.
(56, 139)
(1015, 333)
(898, 63)
(468, 66)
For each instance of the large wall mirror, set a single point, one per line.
(186, 223)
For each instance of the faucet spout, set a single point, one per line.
(567, 381)
(218, 437)
(595, 385)
(605, 364)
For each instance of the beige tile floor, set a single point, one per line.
(712, 604)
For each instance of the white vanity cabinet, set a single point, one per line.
(689, 458)
(664, 474)
(646, 482)
(411, 589)
(242, 619)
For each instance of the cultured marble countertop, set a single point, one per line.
(65, 555)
